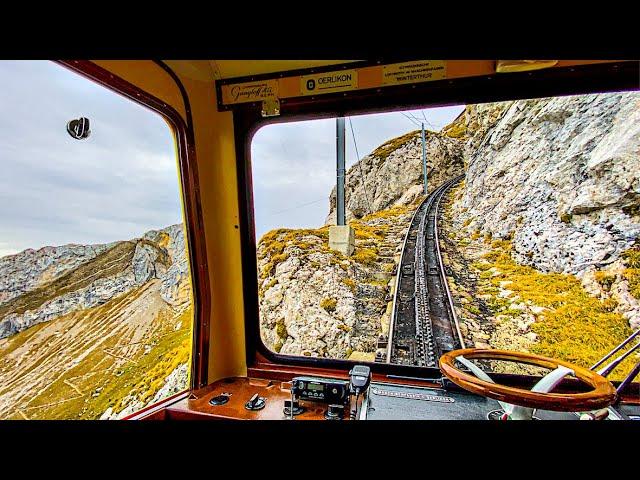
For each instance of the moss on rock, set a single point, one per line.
(329, 304)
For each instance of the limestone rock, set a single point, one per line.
(383, 179)
(559, 175)
(316, 302)
(30, 268)
(157, 255)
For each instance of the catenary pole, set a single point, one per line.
(340, 171)
(424, 159)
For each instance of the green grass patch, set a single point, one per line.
(577, 327)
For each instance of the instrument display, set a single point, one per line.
(318, 389)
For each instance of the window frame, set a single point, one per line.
(560, 81)
(190, 200)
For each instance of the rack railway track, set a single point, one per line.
(423, 324)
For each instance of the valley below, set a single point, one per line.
(93, 332)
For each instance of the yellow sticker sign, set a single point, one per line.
(249, 92)
(414, 72)
(329, 82)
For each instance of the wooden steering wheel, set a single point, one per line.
(602, 395)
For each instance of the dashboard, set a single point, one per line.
(247, 398)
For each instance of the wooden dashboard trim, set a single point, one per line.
(274, 387)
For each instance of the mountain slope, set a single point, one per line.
(393, 173)
(542, 237)
(318, 302)
(82, 363)
(97, 338)
(560, 174)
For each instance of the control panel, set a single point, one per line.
(318, 389)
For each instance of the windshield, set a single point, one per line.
(510, 225)
(95, 285)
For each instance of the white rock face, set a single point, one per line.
(159, 254)
(176, 281)
(30, 268)
(562, 175)
(292, 311)
(297, 316)
(389, 179)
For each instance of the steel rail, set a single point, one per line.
(397, 285)
(452, 309)
(425, 341)
(426, 345)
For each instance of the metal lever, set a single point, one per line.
(256, 402)
(603, 359)
(606, 370)
(633, 374)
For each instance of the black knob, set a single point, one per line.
(220, 399)
(334, 412)
(297, 409)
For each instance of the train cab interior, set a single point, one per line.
(215, 109)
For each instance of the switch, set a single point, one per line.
(255, 403)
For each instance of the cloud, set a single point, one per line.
(117, 184)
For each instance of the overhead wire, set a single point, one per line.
(435, 127)
(409, 118)
(296, 207)
(416, 119)
(364, 185)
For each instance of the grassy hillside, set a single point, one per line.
(80, 364)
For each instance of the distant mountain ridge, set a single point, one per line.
(39, 285)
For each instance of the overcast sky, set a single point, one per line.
(294, 164)
(122, 181)
(54, 190)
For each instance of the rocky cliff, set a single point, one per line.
(542, 237)
(38, 286)
(393, 173)
(554, 182)
(561, 175)
(317, 302)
